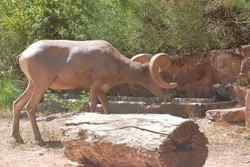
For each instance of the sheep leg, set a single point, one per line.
(36, 96)
(93, 99)
(18, 105)
(104, 100)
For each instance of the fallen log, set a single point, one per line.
(134, 140)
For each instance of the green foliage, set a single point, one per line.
(237, 4)
(187, 26)
(56, 102)
(8, 92)
(131, 26)
(229, 22)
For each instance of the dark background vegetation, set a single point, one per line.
(133, 26)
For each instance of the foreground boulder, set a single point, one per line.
(230, 115)
(134, 140)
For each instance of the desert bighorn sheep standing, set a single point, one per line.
(245, 67)
(95, 65)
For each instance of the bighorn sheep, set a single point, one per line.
(245, 67)
(243, 50)
(95, 65)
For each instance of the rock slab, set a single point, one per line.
(176, 108)
(134, 140)
(230, 115)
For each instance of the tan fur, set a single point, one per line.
(61, 65)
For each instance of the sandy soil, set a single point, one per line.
(229, 144)
(30, 154)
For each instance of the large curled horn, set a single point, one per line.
(142, 58)
(156, 64)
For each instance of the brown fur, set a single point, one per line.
(245, 66)
(61, 65)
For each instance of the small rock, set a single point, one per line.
(41, 154)
(230, 115)
(48, 118)
(223, 92)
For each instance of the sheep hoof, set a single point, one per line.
(18, 139)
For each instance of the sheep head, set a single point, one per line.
(154, 66)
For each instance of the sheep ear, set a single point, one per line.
(143, 58)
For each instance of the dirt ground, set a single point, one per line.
(229, 144)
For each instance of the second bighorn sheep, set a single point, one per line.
(95, 65)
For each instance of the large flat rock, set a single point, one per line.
(141, 140)
(127, 128)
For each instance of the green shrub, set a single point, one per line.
(229, 22)
(131, 26)
(237, 4)
(8, 93)
(187, 26)
(56, 102)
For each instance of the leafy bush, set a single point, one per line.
(8, 92)
(187, 26)
(229, 22)
(131, 26)
(237, 4)
(57, 102)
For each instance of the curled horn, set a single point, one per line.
(142, 58)
(157, 63)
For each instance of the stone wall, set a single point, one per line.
(195, 75)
